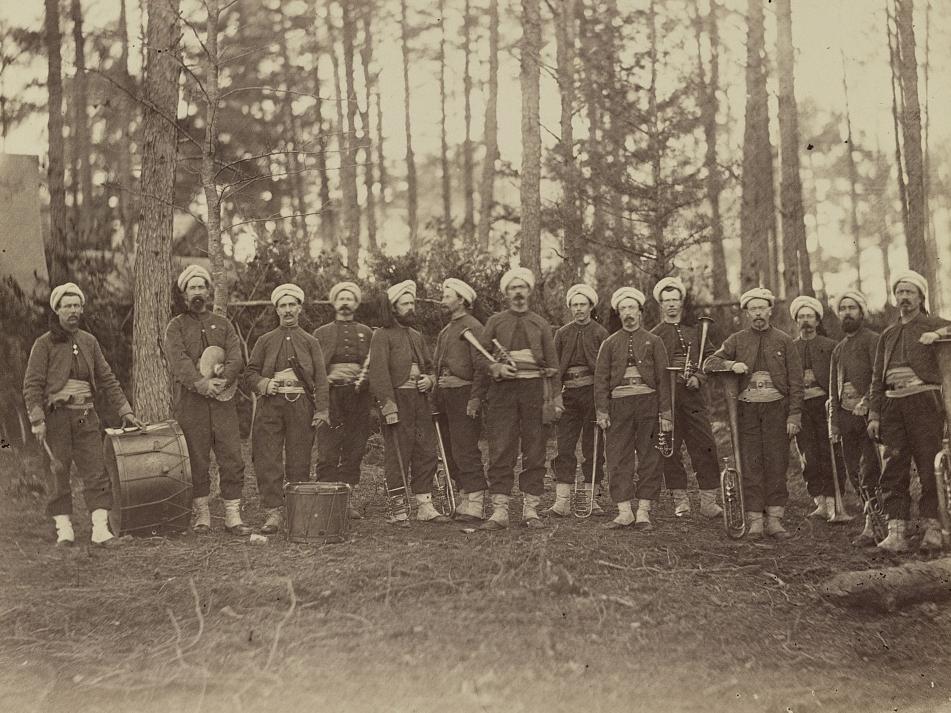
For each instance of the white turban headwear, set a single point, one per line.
(757, 293)
(805, 301)
(351, 287)
(460, 288)
(190, 272)
(582, 289)
(915, 278)
(285, 290)
(398, 290)
(623, 293)
(669, 283)
(517, 273)
(70, 288)
(856, 296)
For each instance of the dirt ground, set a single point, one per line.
(432, 619)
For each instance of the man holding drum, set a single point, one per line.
(286, 370)
(204, 399)
(342, 442)
(65, 370)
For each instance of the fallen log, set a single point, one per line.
(890, 588)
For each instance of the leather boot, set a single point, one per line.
(201, 515)
(562, 505)
(931, 540)
(754, 528)
(822, 509)
(708, 504)
(866, 538)
(681, 503)
(896, 541)
(642, 519)
(426, 511)
(233, 522)
(774, 522)
(500, 513)
(625, 517)
(273, 521)
(530, 505)
(65, 537)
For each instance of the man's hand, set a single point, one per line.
(216, 386)
(202, 387)
(604, 422)
(739, 368)
(270, 388)
(666, 425)
(392, 418)
(836, 437)
(425, 383)
(792, 429)
(873, 430)
(929, 338)
(320, 418)
(861, 409)
(472, 408)
(693, 383)
(130, 420)
(39, 430)
(502, 371)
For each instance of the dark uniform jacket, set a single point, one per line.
(691, 336)
(650, 357)
(820, 356)
(329, 335)
(392, 353)
(459, 357)
(184, 343)
(592, 336)
(852, 361)
(281, 343)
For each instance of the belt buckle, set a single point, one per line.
(760, 384)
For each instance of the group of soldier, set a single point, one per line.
(508, 380)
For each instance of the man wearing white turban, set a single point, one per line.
(342, 443)
(401, 379)
(286, 371)
(458, 401)
(850, 380)
(204, 398)
(525, 373)
(632, 402)
(906, 413)
(65, 370)
(815, 351)
(769, 409)
(577, 345)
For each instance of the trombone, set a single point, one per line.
(442, 479)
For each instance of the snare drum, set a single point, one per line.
(151, 479)
(317, 512)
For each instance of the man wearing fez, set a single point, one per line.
(401, 380)
(342, 443)
(286, 371)
(577, 345)
(692, 419)
(65, 370)
(459, 401)
(632, 399)
(204, 402)
(769, 408)
(850, 380)
(906, 412)
(526, 369)
(815, 352)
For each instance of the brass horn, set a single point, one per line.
(442, 479)
(942, 461)
(468, 336)
(583, 501)
(665, 439)
(731, 479)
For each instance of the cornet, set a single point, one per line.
(665, 439)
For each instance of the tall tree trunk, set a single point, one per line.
(353, 234)
(819, 265)
(918, 254)
(594, 191)
(380, 157)
(530, 184)
(443, 137)
(152, 283)
(709, 106)
(366, 59)
(468, 164)
(328, 212)
(292, 140)
(757, 212)
(126, 194)
(209, 182)
(853, 180)
(896, 129)
(655, 149)
(344, 139)
(572, 224)
(82, 144)
(796, 270)
(57, 249)
(412, 199)
(487, 186)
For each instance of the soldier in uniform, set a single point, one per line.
(458, 401)
(65, 370)
(286, 370)
(204, 404)
(577, 345)
(342, 443)
(401, 378)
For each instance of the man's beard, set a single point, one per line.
(850, 325)
(197, 303)
(407, 320)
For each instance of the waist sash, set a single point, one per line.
(287, 382)
(812, 389)
(760, 389)
(343, 372)
(631, 385)
(903, 381)
(74, 393)
(525, 363)
(414, 374)
(578, 376)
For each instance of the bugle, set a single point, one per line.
(504, 355)
(665, 439)
(731, 479)
(442, 479)
(468, 336)
(583, 501)
(942, 462)
(693, 368)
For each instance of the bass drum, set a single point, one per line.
(151, 480)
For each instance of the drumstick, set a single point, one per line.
(56, 465)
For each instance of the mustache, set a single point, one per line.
(197, 301)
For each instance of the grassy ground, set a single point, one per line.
(432, 619)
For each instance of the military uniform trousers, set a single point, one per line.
(692, 427)
(858, 450)
(460, 436)
(417, 443)
(211, 424)
(513, 422)
(74, 437)
(342, 444)
(911, 428)
(281, 442)
(578, 420)
(630, 441)
(813, 441)
(764, 454)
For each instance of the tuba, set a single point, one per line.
(665, 439)
(942, 462)
(731, 479)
